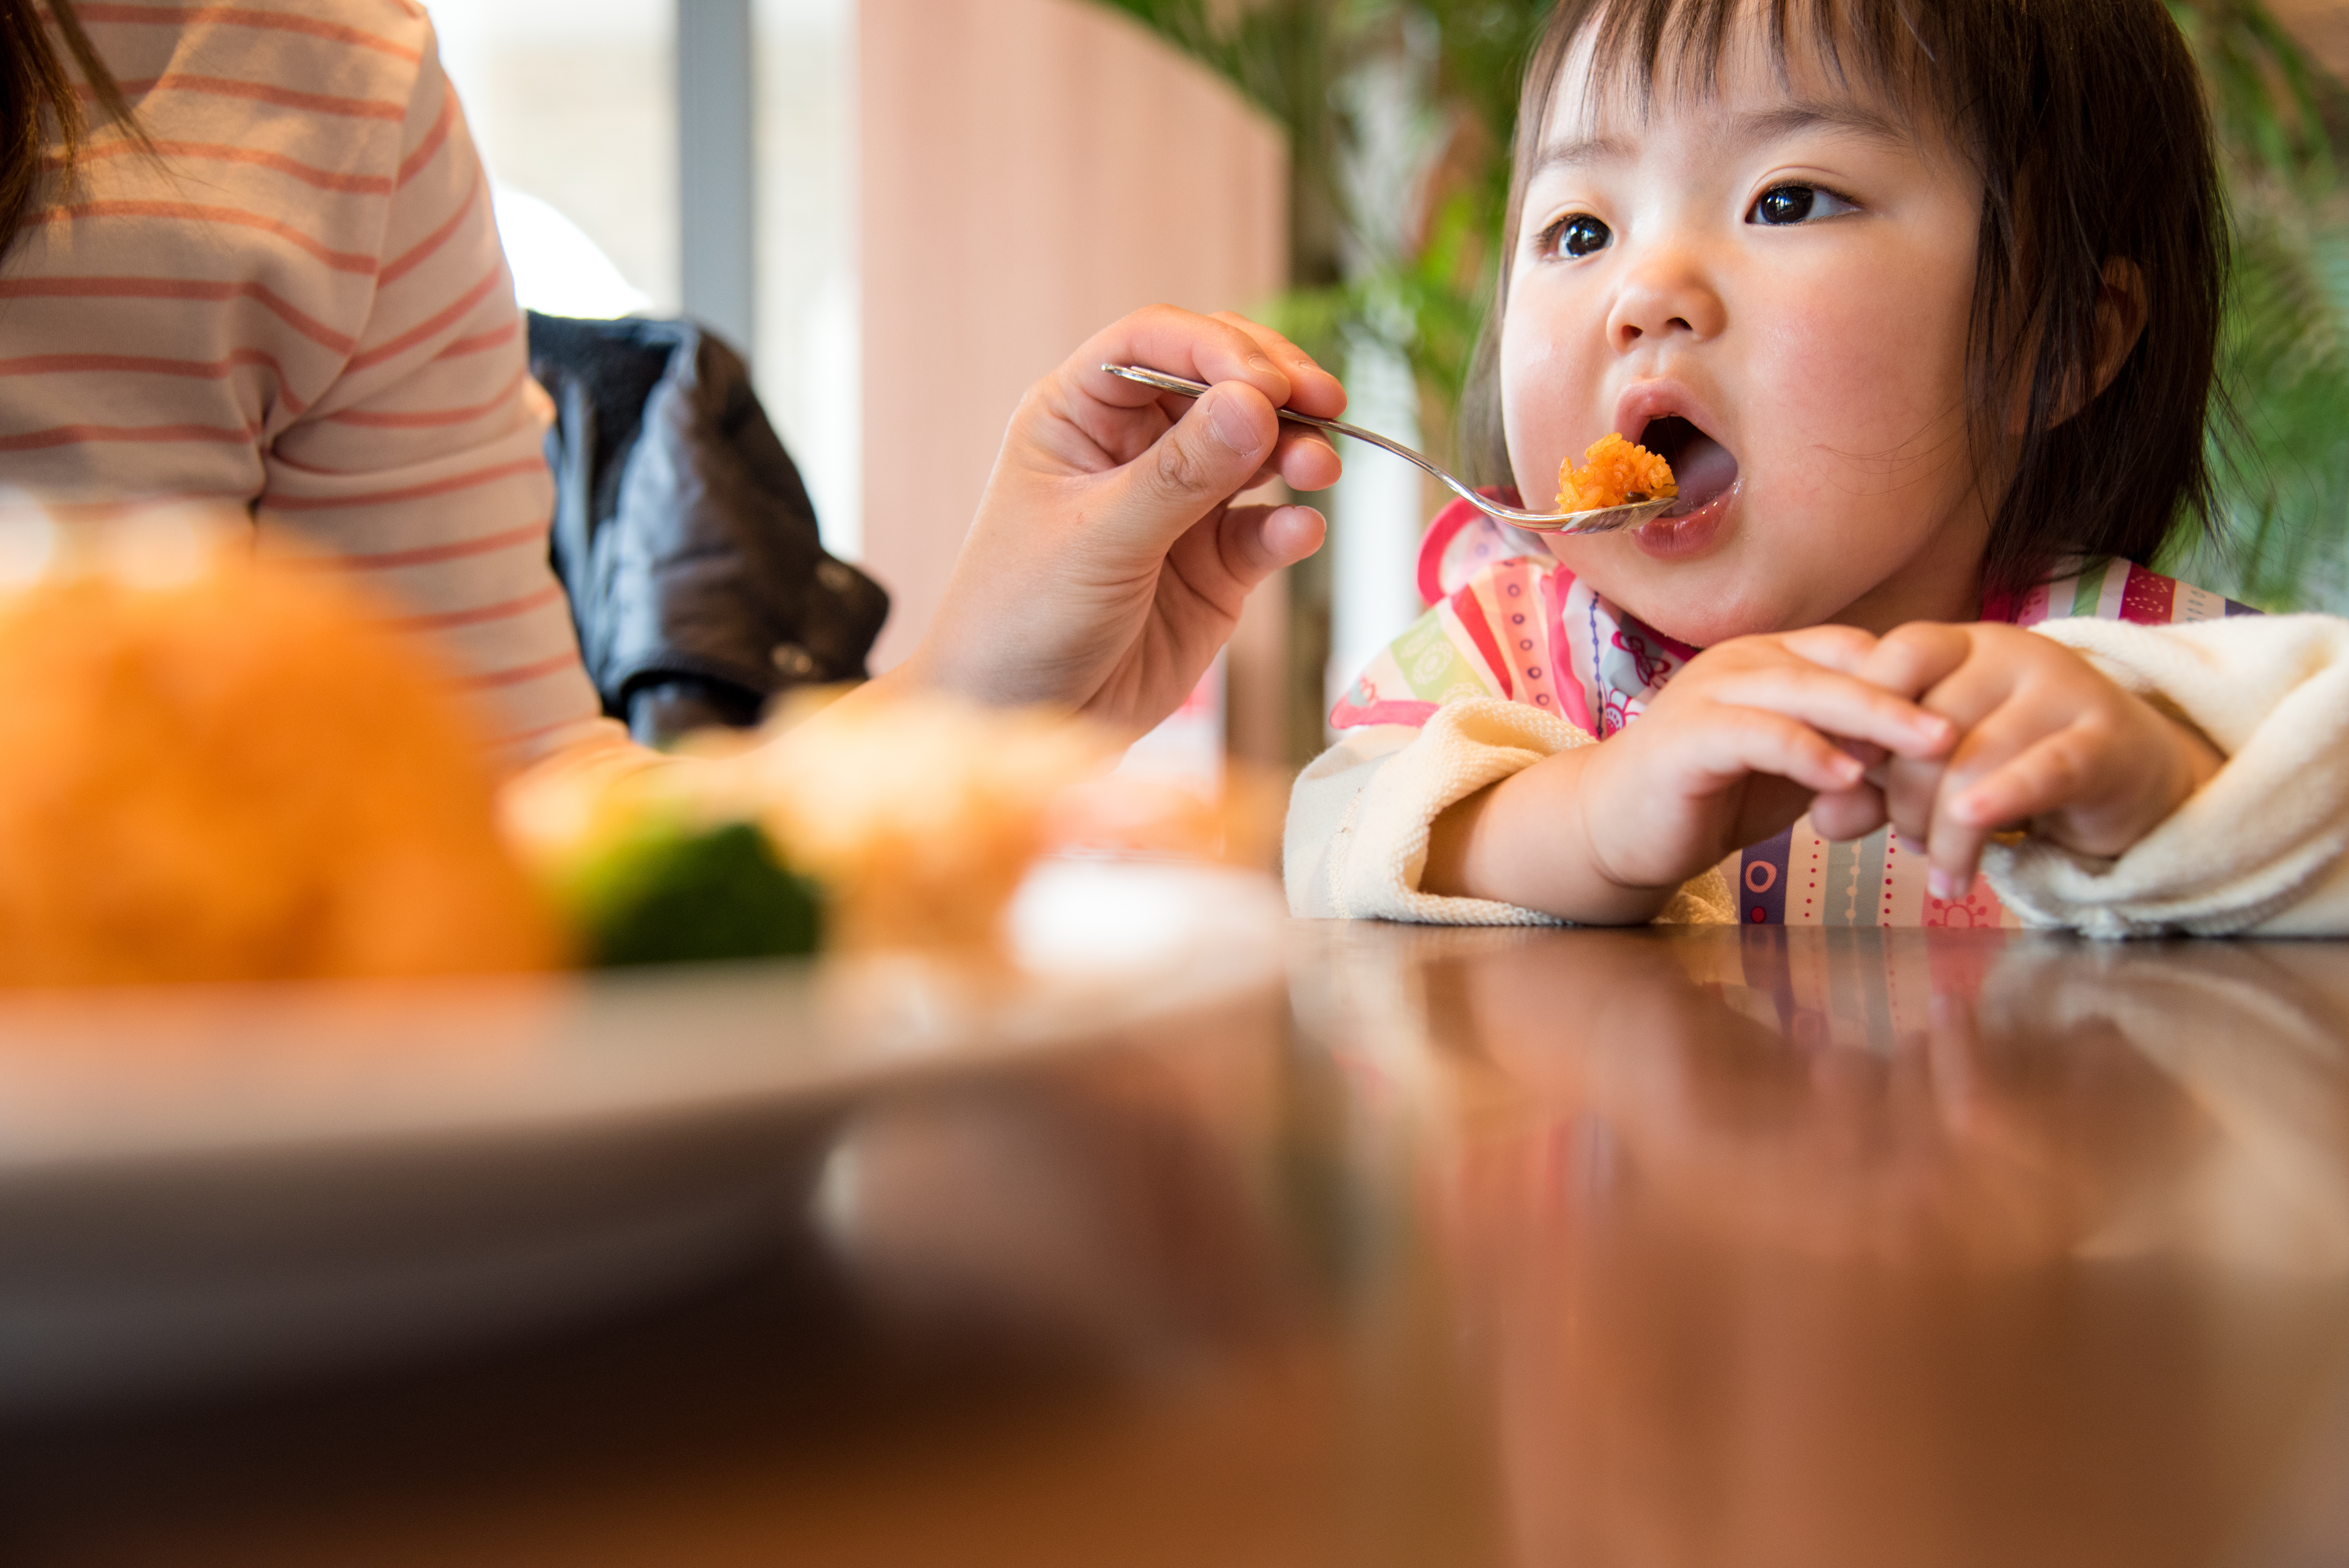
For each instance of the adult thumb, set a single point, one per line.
(1211, 454)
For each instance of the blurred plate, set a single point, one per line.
(202, 1185)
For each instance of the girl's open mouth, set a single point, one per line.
(1707, 474)
(1703, 466)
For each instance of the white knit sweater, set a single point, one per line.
(2263, 848)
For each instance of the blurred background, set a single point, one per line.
(906, 210)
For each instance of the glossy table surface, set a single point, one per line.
(1789, 1247)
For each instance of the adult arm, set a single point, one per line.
(421, 468)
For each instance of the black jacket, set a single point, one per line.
(682, 532)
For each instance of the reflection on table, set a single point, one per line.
(1800, 1247)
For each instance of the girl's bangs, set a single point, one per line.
(1639, 49)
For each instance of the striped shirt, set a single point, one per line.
(1508, 620)
(300, 310)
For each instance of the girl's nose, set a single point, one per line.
(1663, 295)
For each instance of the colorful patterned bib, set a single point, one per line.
(1508, 620)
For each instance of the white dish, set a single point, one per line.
(202, 1185)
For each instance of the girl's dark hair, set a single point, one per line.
(38, 100)
(2085, 122)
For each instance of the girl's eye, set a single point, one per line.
(1783, 204)
(1577, 235)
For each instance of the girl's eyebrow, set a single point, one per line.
(1581, 152)
(1789, 119)
(1759, 126)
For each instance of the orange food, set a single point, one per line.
(241, 775)
(920, 815)
(1612, 472)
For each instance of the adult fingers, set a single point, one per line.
(1211, 454)
(1181, 343)
(1915, 658)
(1255, 541)
(1211, 569)
(1306, 459)
(1313, 389)
(1841, 705)
(1301, 459)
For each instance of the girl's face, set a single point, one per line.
(1769, 284)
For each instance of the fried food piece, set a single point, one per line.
(1613, 471)
(241, 775)
(915, 817)
(921, 815)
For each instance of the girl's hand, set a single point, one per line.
(2049, 744)
(1107, 564)
(1729, 753)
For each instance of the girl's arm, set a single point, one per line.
(1361, 819)
(1729, 753)
(2242, 737)
(1498, 812)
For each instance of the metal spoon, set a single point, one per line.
(1601, 520)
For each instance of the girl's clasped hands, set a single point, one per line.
(1951, 733)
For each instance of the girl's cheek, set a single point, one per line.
(1542, 388)
(1872, 376)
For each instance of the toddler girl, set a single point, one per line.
(1921, 302)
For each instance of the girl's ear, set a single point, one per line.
(2120, 322)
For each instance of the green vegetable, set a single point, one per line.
(671, 894)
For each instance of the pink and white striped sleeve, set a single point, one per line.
(421, 466)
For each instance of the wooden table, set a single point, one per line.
(1775, 1247)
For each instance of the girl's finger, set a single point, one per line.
(2056, 771)
(1842, 815)
(1843, 649)
(2011, 769)
(1917, 657)
(1953, 858)
(1842, 705)
(1909, 790)
(1729, 743)
(1953, 1055)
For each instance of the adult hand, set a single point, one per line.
(1107, 563)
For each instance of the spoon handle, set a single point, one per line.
(1604, 519)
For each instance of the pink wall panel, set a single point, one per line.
(1032, 169)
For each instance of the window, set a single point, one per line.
(575, 105)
